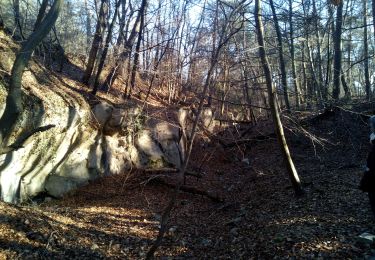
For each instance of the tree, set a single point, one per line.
(98, 38)
(292, 55)
(105, 49)
(281, 59)
(41, 13)
(128, 46)
(293, 175)
(226, 33)
(14, 106)
(338, 53)
(128, 91)
(17, 18)
(365, 52)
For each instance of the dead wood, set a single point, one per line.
(187, 189)
(249, 141)
(225, 120)
(174, 170)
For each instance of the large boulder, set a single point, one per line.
(55, 160)
(117, 157)
(168, 136)
(102, 113)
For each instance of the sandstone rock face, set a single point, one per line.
(83, 145)
(117, 158)
(102, 113)
(168, 136)
(61, 153)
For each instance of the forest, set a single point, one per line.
(231, 129)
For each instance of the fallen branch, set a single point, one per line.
(249, 141)
(233, 121)
(328, 112)
(185, 188)
(174, 170)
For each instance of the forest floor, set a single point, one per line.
(118, 216)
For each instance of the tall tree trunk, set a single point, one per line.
(125, 54)
(338, 53)
(304, 76)
(365, 52)
(42, 11)
(98, 38)
(281, 59)
(373, 14)
(273, 103)
(297, 89)
(345, 85)
(331, 34)
(14, 105)
(17, 17)
(322, 93)
(122, 23)
(88, 27)
(105, 49)
(127, 93)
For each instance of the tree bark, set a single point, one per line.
(281, 59)
(136, 56)
(338, 53)
(42, 11)
(365, 52)
(322, 93)
(14, 104)
(125, 54)
(293, 175)
(297, 89)
(373, 14)
(88, 27)
(98, 38)
(105, 49)
(17, 17)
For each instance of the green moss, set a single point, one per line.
(156, 163)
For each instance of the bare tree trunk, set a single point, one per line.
(273, 103)
(365, 52)
(281, 59)
(1, 20)
(98, 38)
(304, 76)
(105, 49)
(88, 26)
(331, 33)
(42, 11)
(345, 85)
(338, 53)
(373, 14)
(17, 17)
(14, 105)
(125, 54)
(122, 23)
(321, 92)
(136, 56)
(297, 90)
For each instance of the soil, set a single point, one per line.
(118, 216)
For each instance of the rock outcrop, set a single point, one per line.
(82, 146)
(81, 143)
